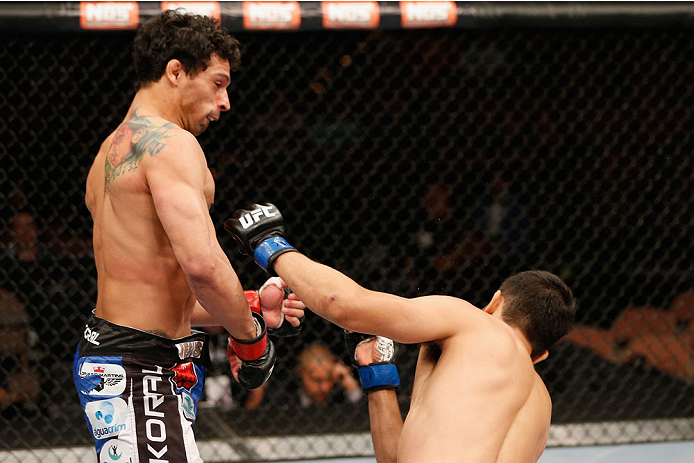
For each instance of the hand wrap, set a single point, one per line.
(376, 375)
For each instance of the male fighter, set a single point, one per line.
(476, 395)
(139, 368)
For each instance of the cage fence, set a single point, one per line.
(415, 161)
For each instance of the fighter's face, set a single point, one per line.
(204, 97)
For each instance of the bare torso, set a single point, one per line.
(140, 282)
(476, 398)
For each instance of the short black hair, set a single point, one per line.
(191, 39)
(541, 305)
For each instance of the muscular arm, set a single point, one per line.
(176, 179)
(386, 424)
(336, 297)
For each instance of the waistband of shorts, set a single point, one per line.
(103, 338)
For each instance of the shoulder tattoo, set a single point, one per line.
(133, 139)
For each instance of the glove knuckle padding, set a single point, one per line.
(252, 227)
(253, 373)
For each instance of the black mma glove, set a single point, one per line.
(378, 375)
(257, 356)
(258, 231)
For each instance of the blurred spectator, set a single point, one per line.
(323, 380)
(37, 278)
(19, 384)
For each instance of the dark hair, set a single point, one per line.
(541, 305)
(191, 39)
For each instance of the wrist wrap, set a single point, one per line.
(251, 349)
(379, 375)
(253, 298)
(271, 248)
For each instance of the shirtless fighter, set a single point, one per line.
(476, 395)
(139, 368)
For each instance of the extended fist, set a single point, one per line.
(259, 231)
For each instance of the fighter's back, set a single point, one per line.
(141, 283)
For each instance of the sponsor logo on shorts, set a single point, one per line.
(185, 376)
(188, 406)
(102, 379)
(350, 15)
(115, 450)
(428, 14)
(189, 349)
(108, 418)
(155, 428)
(211, 9)
(90, 335)
(109, 15)
(271, 15)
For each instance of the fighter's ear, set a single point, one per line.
(174, 70)
(541, 357)
(496, 303)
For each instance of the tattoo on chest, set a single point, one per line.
(132, 140)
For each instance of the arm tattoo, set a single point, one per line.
(132, 140)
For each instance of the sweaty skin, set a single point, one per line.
(476, 395)
(149, 189)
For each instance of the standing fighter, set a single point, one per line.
(139, 368)
(476, 395)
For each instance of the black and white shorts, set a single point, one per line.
(140, 392)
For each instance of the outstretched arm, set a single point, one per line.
(336, 297)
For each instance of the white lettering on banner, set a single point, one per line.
(271, 15)
(152, 400)
(189, 349)
(252, 217)
(274, 12)
(109, 15)
(108, 12)
(428, 14)
(91, 335)
(350, 14)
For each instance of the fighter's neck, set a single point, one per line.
(154, 100)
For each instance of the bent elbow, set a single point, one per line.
(343, 310)
(199, 271)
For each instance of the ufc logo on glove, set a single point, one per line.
(252, 217)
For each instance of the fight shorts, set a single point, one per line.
(140, 392)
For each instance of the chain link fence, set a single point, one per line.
(417, 162)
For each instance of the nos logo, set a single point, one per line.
(252, 217)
